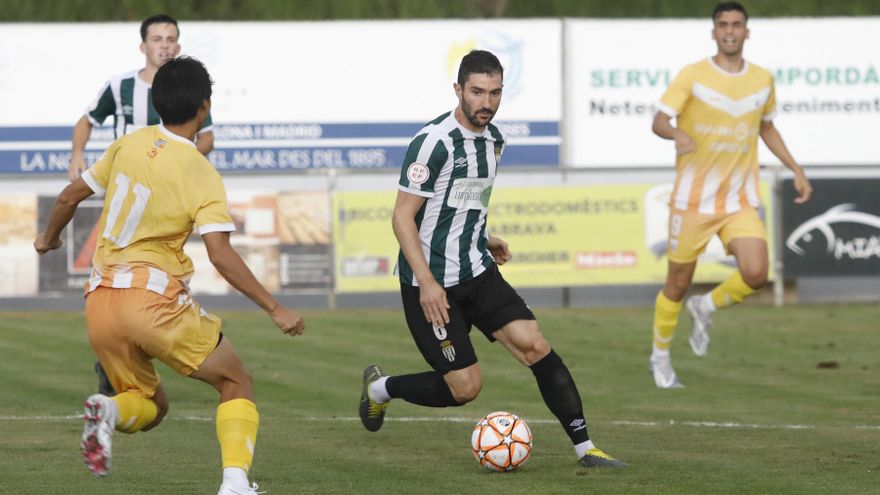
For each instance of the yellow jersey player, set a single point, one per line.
(157, 189)
(721, 106)
(127, 97)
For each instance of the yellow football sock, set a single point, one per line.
(237, 423)
(665, 319)
(135, 412)
(731, 291)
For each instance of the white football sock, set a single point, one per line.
(707, 305)
(659, 354)
(378, 392)
(582, 448)
(236, 477)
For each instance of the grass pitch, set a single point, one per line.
(787, 401)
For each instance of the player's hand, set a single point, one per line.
(498, 248)
(803, 187)
(75, 168)
(42, 245)
(432, 297)
(288, 320)
(683, 143)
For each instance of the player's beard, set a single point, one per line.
(472, 116)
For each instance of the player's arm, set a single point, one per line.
(432, 295)
(235, 271)
(205, 142)
(499, 249)
(663, 127)
(771, 137)
(81, 133)
(62, 211)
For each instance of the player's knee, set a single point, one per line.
(466, 392)
(754, 277)
(465, 388)
(678, 286)
(536, 350)
(237, 384)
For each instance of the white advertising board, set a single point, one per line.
(287, 95)
(827, 74)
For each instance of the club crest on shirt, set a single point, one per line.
(157, 145)
(417, 173)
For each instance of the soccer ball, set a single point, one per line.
(501, 441)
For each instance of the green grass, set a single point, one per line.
(761, 376)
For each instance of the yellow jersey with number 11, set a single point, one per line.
(157, 188)
(722, 112)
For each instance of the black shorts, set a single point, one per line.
(486, 301)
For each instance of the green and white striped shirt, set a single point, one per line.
(129, 100)
(453, 168)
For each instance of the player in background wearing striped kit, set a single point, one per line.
(157, 188)
(721, 105)
(128, 98)
(449, 279)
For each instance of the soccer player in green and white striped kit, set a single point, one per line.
(449, 279)
(127, 97)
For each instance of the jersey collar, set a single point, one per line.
(175, 137)
(724, 72)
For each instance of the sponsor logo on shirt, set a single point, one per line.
(470, 193)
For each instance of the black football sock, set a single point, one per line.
(561, 395)
(425, 389)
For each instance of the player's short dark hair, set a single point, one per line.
(478, 62)
(180, 87)
(157, 19)
(727, 7)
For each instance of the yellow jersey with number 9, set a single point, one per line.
(157, 188)
(722, 112)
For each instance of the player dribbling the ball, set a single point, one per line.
(448, 268)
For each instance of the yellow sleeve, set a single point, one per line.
(98, 175)
(211, 211)
(678, 93)
(770, 107)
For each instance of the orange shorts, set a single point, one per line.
(128, 328)
(689, 232)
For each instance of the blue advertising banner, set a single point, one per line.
(271, 147)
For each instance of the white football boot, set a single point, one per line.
(99, 424)
(663, 373)
(702, 323)
(228, 489)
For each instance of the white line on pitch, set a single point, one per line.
(461, 419)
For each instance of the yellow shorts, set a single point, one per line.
(128, 328)
(689, 232)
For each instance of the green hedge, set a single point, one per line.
(130, 10)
